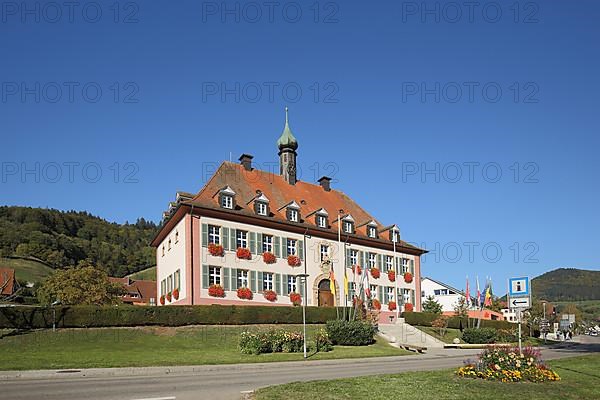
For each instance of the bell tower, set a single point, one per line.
(287, 145)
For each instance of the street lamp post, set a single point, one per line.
(544, 321)
(305, 280)
(54, 304)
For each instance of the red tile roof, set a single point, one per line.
(144, 289)
(7, 281)
(310, 197)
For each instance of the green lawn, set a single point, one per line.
(27, 270)
(148, 274)
(448, 337)
(152, 346)
(580, 381)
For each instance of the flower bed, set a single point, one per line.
(392, 306)
(293, 261)
(506, 364)
(176, 294)
(408, 307)
(216, 250)
(375, 273)
(269, 258)
(216, 291)
(273, 341)
(357, 269)
(270, 295)
(392, 275)
(244, 293)
(243, 253)
(296, 298)
(408, 278)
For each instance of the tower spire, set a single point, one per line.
(287, 145)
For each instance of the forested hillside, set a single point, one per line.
(64, 238)
(567, 284)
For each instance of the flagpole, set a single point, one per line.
(343, 264)
(395, 266)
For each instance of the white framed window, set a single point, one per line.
(214, 275)
(176, 236)
(389, 263)
(324, 250)
(353, 257)
(372, 260)
(404, 295)
(226, 201)
(214, 234)
(405, 265)
(261, 208)
(169, 245)
(169, 283)
(291, 247)
(242, 239)
(163, 287)
(242, 278)
(267, 281)
(152, 301)
(322, 221)
(389, 292)
(351, 289)
(395, 236)
(373, 291)
(372, 232)
(440, 292)
(163, 250)
(267, 243)
(348, 227)
(293, 215)
(292, 284)
(177, 279)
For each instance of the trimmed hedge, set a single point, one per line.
(483, 335)
(350, 333)
(107, 316)
(425, 319)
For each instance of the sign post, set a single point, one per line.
(519, 300)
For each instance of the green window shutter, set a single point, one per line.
(285, 288)
(204, 235)
(278, 283)
(412, 297)
(300, 285)
(277, 246)
(301, 249)
(397, 265)
(385, 297)
(380, 293)
(259, 285)
(412, 267)
(226, 278)
(380, 264)
(234, 280)
(225, 238)
(259, 243)
(253, 281)
(363, 259)
(205, 276)
(252, 242)
(348, 258)
(284, 245)
(233, 239)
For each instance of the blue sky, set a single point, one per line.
(499, 101)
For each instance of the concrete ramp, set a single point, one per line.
(401, 334)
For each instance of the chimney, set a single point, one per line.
(246, 161)
(325, 183)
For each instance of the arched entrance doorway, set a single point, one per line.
(325, 295)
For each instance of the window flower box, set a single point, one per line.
(216, 291)
(243, 253)
(162, 300)
(169, 297)
(408, 278)
(376, 304)
(408, 307)
(294, 261)
(216, 250)
(269, 258)
(375, 273)
(392, 306)
(270, 295)
(176, 294)
(357, 269)
(295, 299)
(244, 293)
(392, 275)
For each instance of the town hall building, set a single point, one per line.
(254, 237)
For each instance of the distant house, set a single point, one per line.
(8, 282)
(444, 294)
(139, 293)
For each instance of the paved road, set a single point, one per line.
(224, 381)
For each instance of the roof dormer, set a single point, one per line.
(227, 198)
(322, 218)
(292, 211)
(372, 229)
(261, 205)
(348, 224)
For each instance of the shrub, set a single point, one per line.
(375, 273)
(481, 335)
(254, 343)
(216, 291)
(216, 250)
(322, 341)
(243, 253)
(273, 341)
(269, 258)
(420, 318)
(350, 333)
(441, 323)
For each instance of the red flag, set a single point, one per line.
(468, 293)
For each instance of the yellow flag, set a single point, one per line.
(332, 282)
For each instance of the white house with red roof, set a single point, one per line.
(263, 232)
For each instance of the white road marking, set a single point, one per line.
(158, 398)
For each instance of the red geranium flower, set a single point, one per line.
(243, 253)
(293, 261)
(392, 306)
(376, 304)
(269, 258)
(357, 269)
(270, 295)
(244, 293)
(296, 298)
(408, 278)
(216, 291)
(169, 296)
(216, 250)
(392, 275)
(162, 300)
(408, 307)
(176, 294)
(375, 273)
